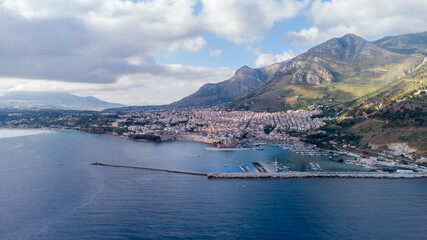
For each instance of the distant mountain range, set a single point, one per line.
(405, 44)
(60, 100)
(340, 70)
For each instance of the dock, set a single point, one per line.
(259, 167)
(268, 166)
(292, 174)
(149, 169)
(282, 175)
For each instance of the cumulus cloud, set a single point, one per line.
(264, 59)
(96, 44)
(247, 20)
(215, 53)
(362, 17)
(92, 41)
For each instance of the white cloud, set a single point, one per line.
(174, 82)
(100, 41)
(247, 20)
(267, 59)
(215, 52)
(92, 41)
(362, 17)
(194, 44)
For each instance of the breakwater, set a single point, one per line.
(281, 175)
(149, 169)
(285, 175)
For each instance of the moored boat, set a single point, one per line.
(336, 159)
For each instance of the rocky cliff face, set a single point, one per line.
(316, 65)
(306, 72)
(244, 81)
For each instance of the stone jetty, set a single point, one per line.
(148, 169)
(284, 175)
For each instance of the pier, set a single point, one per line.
(149, 169)
(282, 175)
(259, 167)
(291, 174)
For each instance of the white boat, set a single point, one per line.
(280, 167)
(315, 167)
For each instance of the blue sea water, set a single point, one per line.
(48, 190)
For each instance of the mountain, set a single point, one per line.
(339, 70)
(400, 102)
(405, 44)
(244, 81)
(395, 114)
(60, 100)
(391, 121)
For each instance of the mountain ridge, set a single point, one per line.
(405, 43)
(339, 70)
(336, 71)
(244, 81)
(61, 100)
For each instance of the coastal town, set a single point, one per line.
(216, 126)
(209, 125)
(223, 130)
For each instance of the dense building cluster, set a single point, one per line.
(219, 125)
(206, 125)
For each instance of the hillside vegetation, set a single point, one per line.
(393, 114)
(345, 70)
(337, 71)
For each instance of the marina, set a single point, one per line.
(304, 149)
(263, 174)
(292, 174)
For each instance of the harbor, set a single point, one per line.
(292, 174)
(263, 174)
(274, 158)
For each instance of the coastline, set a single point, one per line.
(210, 145)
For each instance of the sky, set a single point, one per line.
(159, 51)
